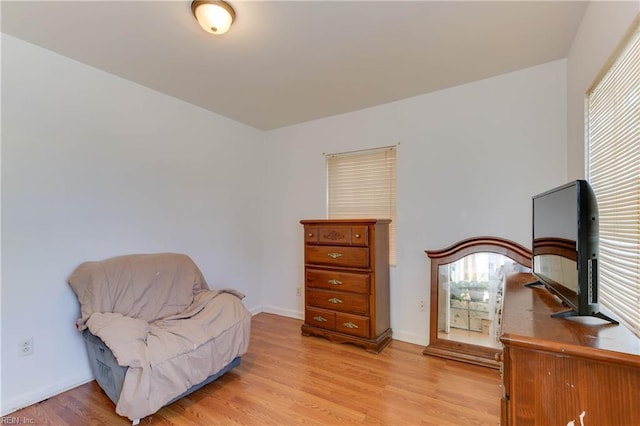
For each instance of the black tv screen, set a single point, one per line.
(565, 245)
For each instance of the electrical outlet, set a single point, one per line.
(298, 291)
(422, 306)
(25, 347)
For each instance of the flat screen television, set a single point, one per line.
(566, 245)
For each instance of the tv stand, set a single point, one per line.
(556, 372)
(571, 312)
(534, 284)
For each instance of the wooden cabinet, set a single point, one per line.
(561, 370)
(347, 281)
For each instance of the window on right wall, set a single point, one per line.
(613, 169)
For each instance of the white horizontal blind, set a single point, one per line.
(362, 184)
(613, 136)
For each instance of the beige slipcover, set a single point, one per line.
(158, 317)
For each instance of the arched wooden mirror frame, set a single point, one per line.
(452, 349)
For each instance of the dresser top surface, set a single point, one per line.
(343, 221)
(527, 321)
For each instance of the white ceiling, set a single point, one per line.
(286, 62)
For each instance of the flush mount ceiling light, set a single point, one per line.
(214, 17)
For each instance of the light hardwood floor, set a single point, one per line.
(286, 378)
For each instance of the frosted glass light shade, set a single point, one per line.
(214, 17)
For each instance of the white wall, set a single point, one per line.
(95, 166)
(602, 29)
(469, 160)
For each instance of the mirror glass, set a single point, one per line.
(470, 298)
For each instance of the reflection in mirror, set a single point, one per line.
(556, 259)
(471, 297)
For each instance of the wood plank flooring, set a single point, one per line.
(286, 378)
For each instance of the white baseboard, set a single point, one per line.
(416, 339)
(255, 310)
(37, 395)
(283, 312)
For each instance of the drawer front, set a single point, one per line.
(338, 301)
(334, 234)
(342, 235)
(352, 324)
(310, 234)
(343, 281)
(320, 318)
(359, 236)
(356, 257)
(459, 318)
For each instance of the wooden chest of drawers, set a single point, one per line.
(347, 281)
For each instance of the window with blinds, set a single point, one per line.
(362, 184)
(613, 169)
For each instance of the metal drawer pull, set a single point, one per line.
(334, 255)
(320, 319)
(357, 235)
(310, 234)
(334, 282)
(334, 300)
(350, 325)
